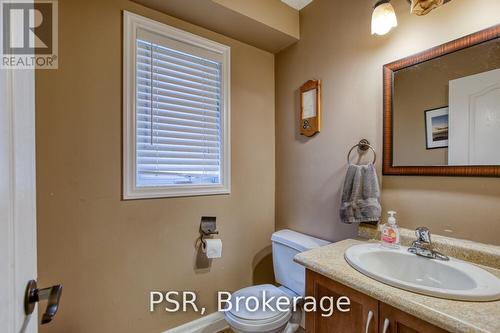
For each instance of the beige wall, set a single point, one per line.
(110, 253)
(336, 46)
(417, 90)
(425, 87)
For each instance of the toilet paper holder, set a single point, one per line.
(208, 227)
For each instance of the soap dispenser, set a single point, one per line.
(390, 232)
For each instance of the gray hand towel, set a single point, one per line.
(360, 196)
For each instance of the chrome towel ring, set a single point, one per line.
(363, 145)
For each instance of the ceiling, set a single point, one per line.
(297, 4)
(269, 25)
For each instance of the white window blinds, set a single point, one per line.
(178, 117)
(176, 112)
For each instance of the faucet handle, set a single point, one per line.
(423, 235)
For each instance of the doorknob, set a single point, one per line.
(34, 295)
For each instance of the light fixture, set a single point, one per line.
(383, 18)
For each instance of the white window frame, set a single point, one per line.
(131, 24)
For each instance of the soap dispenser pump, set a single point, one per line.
(390, 232)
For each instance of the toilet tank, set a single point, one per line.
(286, 244)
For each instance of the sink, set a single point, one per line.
(453, 279)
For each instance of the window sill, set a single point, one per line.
(174, 192)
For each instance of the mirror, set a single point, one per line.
(442, 109)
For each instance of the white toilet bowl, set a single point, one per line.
(286, 244)
(245, 320)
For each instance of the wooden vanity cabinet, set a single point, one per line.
(402, 322)
(358, 319)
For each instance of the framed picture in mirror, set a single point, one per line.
(436, 128)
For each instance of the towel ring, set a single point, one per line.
(363, 145)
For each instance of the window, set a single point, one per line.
(176, 112)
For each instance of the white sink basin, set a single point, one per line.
(453, 279)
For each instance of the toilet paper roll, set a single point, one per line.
(213, 249)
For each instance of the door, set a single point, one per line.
(362, 317)
(474, 120)
(17, 197)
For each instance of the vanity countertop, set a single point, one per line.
(453, 316)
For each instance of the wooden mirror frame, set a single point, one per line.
(388, 85)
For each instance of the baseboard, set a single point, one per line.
(211, 323)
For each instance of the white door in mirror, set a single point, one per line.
(474, 120)
(453, 279)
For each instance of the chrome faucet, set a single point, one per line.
(422, 246)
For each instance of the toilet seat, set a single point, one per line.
(258, 321)
(256, 325)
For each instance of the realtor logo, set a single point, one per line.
(29, 34)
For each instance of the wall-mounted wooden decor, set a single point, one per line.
(310, 108)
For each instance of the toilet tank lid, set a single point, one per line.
(297, 241)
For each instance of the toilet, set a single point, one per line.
(290, 275)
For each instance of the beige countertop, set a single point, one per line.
(453, 316)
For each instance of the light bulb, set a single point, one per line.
(383, 19)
